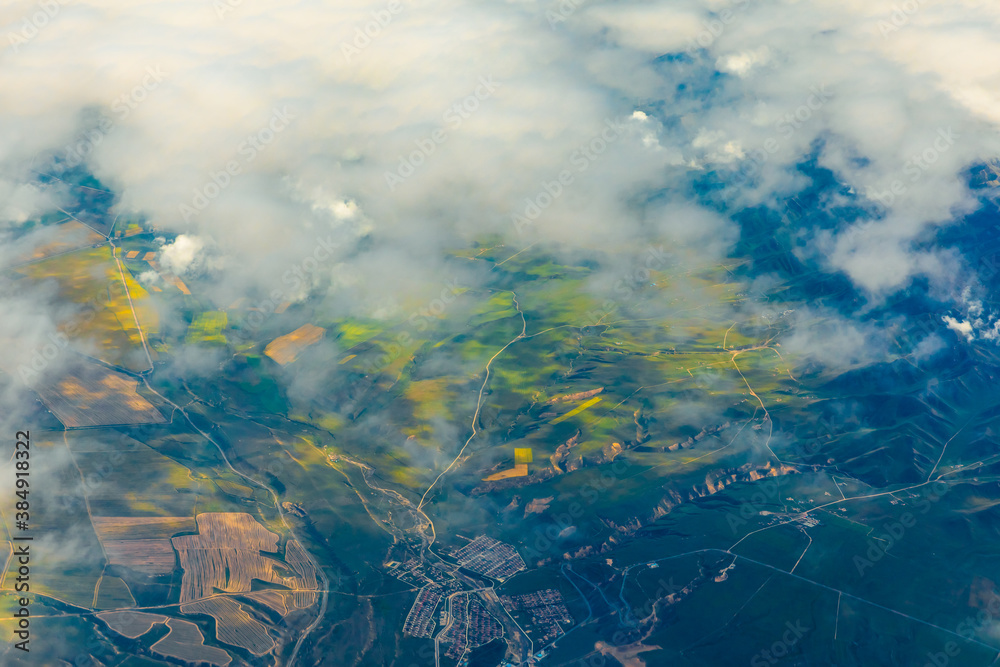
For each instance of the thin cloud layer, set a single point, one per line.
(262, 131)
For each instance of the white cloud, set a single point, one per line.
(20, 202)
(742, 63)
(883, 100)
(180, 255)
(962, 327)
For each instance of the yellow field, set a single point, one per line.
(519, 470)
(430, 398)
(285, 349)
(577, 410)
(522, 457)
(90, 278)
(225, 556)
(140, 301)
(207, 327)
(178, 283)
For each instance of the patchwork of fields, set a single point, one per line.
(664, 465)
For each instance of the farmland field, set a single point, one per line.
(664, 464)
(227, 555)
(95, 396)
(186, 643)
(233, 625)
(90, 277)
(285, 349)
(131, 624)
